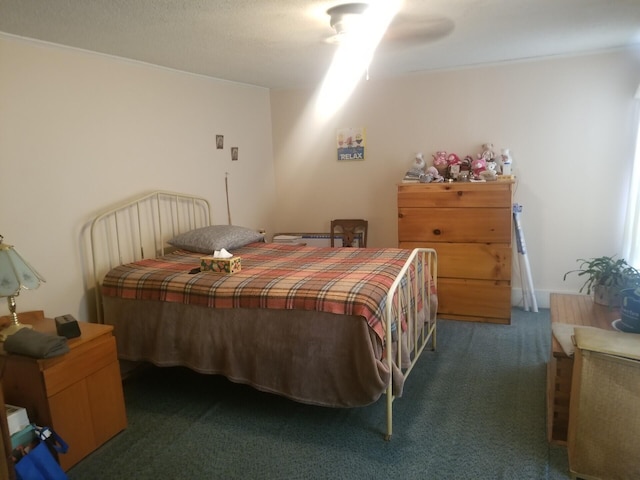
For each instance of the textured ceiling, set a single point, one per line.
(281, 43)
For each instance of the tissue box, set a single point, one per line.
(17, 418)
(24, 437)
(222, 265)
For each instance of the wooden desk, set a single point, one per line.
(577, 310)
(78, 394)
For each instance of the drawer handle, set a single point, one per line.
(437, 231)
(459, 193)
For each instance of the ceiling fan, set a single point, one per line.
(405, 30)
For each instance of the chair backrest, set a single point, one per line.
(349, 228)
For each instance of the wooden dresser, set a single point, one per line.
(470, 227)
(78, 394)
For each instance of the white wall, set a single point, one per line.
(81, 131)
(568, 123)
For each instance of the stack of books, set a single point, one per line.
(412, 177)
(292, 239)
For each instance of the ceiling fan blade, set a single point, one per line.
(408, 30)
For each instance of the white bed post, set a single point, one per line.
(424, 262)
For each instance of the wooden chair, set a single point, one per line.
(350, 229)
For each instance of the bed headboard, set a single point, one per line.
(139, 228)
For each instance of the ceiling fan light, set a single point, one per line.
(343, 18)
(345, 24)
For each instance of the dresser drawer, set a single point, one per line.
(459, 225)
(478, 300)
(80, 363)
(458, 195)
(478, 261)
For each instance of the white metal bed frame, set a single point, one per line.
(126, 232)
(130, 230)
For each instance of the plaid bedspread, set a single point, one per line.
(349, 281)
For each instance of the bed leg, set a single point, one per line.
(387, 437)
(434, 337)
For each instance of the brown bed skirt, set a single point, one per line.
(310, 357)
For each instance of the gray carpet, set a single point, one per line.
(474, 409)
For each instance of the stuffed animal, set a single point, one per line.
(466, 163)
(419, 164)
(487, 152)
(439, 159)
(490, 157)
(478, 166)
(440, 162)
(453, 159)
(435, 175)
(416, 172)
(454, 164)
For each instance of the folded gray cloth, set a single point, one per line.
(32, 343)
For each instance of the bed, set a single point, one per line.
(336, 327)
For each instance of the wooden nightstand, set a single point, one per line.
(78, 394)
(6, 470)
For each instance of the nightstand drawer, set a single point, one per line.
(79, 364)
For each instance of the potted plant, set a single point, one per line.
(606, 277)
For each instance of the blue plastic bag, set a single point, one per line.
(39, 463)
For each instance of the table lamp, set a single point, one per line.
(15, 274)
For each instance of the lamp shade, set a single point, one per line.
(15, 272)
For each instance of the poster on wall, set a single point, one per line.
(351, 142)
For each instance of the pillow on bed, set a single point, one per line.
(216, 237)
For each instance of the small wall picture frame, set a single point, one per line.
(234, 154)
(351, 143)
(219, 142)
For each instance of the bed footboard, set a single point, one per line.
(417, 329)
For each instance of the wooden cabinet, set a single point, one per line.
(78, 394)
(604, 415)
(6, 467)
(470, 227)
(581, 311)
